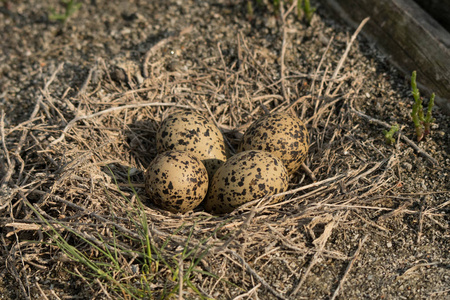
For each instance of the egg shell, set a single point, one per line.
(281, 134)
(176, 181)
(192, 132)
(244, 177)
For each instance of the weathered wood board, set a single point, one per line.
(409, 36)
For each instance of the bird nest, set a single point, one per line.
(74, 201)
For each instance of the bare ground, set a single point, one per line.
(81, 102)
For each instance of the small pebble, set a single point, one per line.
(407, 166)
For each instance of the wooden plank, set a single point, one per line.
(409, 36)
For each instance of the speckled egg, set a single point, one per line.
(176, 181)
(190, 131)
(281, 134)
(246, 176)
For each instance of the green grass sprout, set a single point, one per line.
(389, 135)
(306, 10)
(71, 7)
(250, 11)
(105, 269)
(422, 123)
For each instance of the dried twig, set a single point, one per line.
(320, 244)
(344, 56)
(109, 110)
(86, 82)
(5, 149)
(11, 265)
(248, 294)
(224, 69)
(259, 278)
(349, 267)
(41, 291)
(422, 207)
(415, 267)
(282, 66)
(53, 76)
(309, 172)
(397, 211)
(12, 163)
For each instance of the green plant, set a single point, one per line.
(250, 9)
(70, 8)
(306, 10)
(421, 123)
(389, 135)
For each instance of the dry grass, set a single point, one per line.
(69, 170)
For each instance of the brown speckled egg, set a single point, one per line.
(176, 181)
(192, 132)
(246, 176)
(281, 134)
